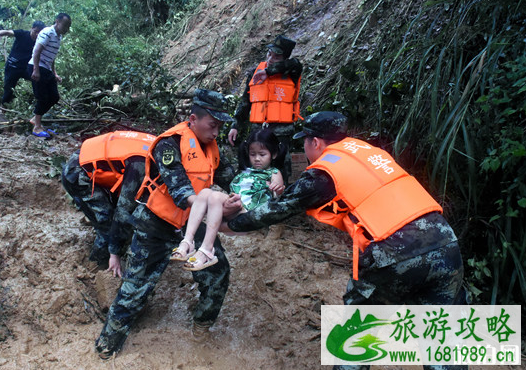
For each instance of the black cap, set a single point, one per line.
(214, 103)
(282, 46)
(325, 125)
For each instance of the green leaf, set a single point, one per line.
(476, 291)
(522, 202)
(494, 218)
(482, 99)
(512, 213)
(508, 111)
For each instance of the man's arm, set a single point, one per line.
(312, 190)
(243, 109)
(224, 174)
(121, 231)
(37, 51)
(8, 33)
(288, 67)
(242, 113)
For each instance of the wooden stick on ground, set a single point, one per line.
(346, 259)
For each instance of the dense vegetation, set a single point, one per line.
(442, 84)
(110, 43)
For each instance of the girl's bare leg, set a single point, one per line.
(214, 217)
(197, 213)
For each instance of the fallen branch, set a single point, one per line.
(346, 259)
(96, 310)
(267, 302)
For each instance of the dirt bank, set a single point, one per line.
(53, 299)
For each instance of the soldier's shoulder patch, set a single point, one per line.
(168, 156)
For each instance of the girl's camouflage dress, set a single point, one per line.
(252, 186)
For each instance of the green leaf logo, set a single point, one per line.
(369, 344)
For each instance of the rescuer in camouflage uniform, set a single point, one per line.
(418, 264)
(279, 62)
(108, 212)
(154, 239)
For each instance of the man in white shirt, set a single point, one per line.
(41, 67)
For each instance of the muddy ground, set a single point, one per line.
(53, 300)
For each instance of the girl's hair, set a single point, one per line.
(270, 141)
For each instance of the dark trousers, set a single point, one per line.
(148, 257)
(45, 90)
(11, 77)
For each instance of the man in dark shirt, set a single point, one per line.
(16, 64)
(278, 63)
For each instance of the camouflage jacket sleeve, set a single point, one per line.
(289, 68)
(167, 155)
(224, 174)
(242, 113)
(312, 190)
(121, 230)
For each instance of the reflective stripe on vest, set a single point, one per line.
(199, 169)
(110, 148)
(374, 188)
(275, 100)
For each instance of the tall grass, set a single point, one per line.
(445, 88)
(445, 124)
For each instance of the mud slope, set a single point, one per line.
(225, 39)
(53, 299)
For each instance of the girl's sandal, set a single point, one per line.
(193, 264)
(182, 254)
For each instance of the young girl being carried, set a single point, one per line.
(256, 185)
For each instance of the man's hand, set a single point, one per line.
(115, 265)
(58, 78)
(232, 136)
(232, 205)
(35, 76)
(260, 76)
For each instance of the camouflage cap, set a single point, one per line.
(214, 103)
(282, 46)
(325, 125)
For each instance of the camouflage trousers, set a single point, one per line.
(284, 133)
(97, 204)
(148, 257)
(434, 277)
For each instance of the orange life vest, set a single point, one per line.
(199, 166)
(374, 188)
(275, 100)
(109, 151)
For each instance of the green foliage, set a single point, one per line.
(110, 43)
(444, 83)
